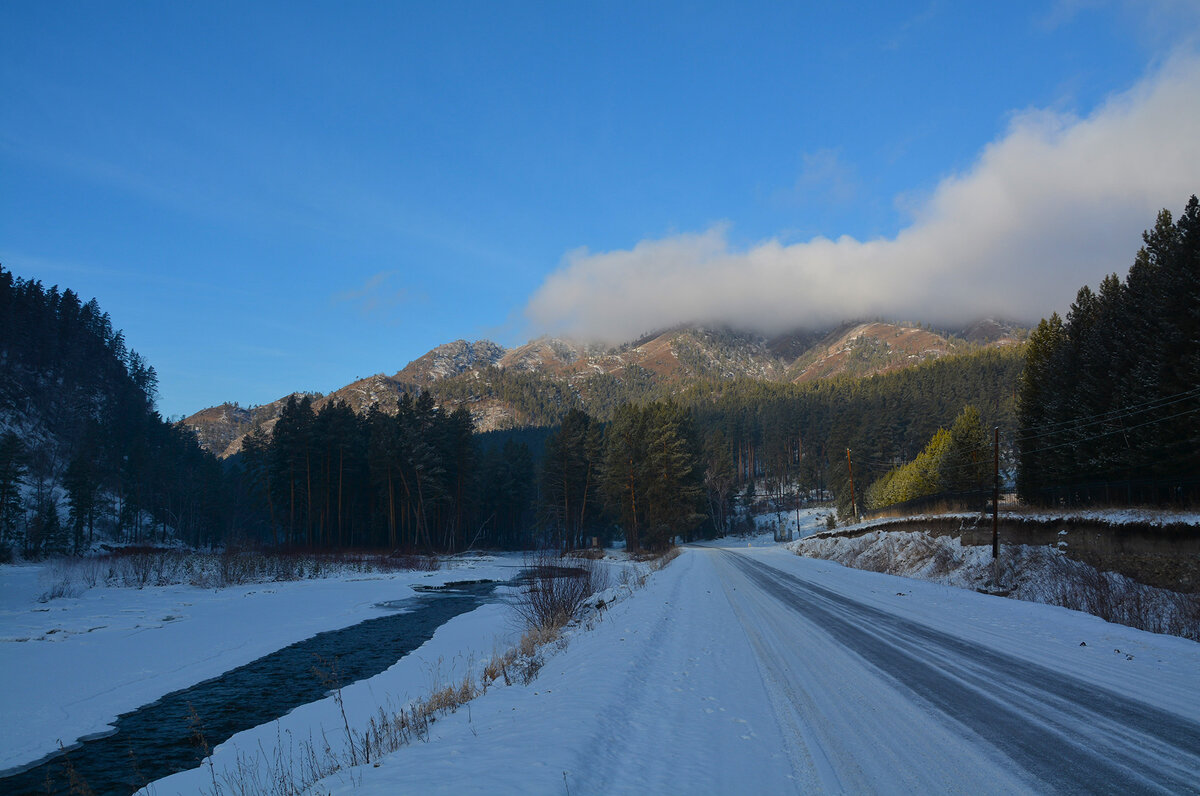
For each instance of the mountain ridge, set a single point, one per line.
(506, 388)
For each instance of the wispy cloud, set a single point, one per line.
(826, 178)
(377, 295)
(901, 35)
(1055, 202)
(1161, 25)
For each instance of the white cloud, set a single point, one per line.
(1057, 202)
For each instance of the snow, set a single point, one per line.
(703, 683)
(653, 677)
(800, 524)
(72, 665)
(1024, 572)
(1125, 516)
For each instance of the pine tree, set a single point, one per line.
(12, 476)
(719, 480)
(1114, 393)
(965, 464)
(623, 478)
(1037, 402)
(673, 492)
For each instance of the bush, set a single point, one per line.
(555, 592)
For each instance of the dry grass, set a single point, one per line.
(942, 507)
(660, 560)
(139, 568)
(593, 553)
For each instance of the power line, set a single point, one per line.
(1114, 431)
(1113, 414)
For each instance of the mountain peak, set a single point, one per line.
(450, 359)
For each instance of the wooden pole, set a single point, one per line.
(853, 501)
(996, 494)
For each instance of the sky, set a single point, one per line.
(277, 197)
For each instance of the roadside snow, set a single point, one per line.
(72, 665)
(1128, 516)
(655, 677)
(674, 688)
(668, 693)
(799, 524)
(1024, 572)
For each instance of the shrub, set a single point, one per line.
(555, 592)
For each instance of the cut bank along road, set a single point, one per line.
(870, 700)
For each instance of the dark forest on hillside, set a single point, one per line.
(80, 433)
(1110, 396)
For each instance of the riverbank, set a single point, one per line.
(73, 664)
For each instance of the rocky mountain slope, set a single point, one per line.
(506, 388)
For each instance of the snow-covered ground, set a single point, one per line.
(1025, 572)
(747, 669)
(799, 524)
(70, 666)
(740, 667)
(1124, 516)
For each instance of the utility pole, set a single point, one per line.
(853, 501)
(996, 494)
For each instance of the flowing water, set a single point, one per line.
(164, 737)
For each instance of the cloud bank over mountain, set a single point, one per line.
(1056, 202)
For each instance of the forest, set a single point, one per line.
(1109, 401)
(650, 473)
(85, 457)
(80, 432)
(1103, 405)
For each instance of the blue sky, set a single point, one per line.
(272, 197)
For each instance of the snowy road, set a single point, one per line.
(933, 698)
(757, 671)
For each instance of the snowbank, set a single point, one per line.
(1033, 573)
(72, 665)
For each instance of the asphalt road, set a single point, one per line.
(875, 701)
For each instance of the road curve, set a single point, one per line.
(873, 701)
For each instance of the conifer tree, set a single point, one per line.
(1113, 394)
(12, 476)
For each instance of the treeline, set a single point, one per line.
(420, 479)
(641, 473)
(78, 418)
(417, 479)
(681, 468)
(1110, 397)
(649, 473)
(328, 477)
(774, 439)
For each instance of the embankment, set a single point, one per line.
(1166, 556)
